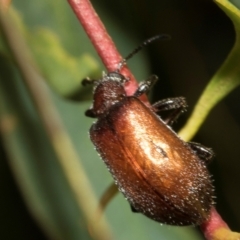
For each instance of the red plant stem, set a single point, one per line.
(96, 33)
(102, 42)
(215, 222)
(110, 57)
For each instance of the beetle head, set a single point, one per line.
(109, 90)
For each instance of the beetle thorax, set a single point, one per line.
(108, 92)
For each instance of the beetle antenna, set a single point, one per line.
(141, 46)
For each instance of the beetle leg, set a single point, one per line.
(170, 104)
(204, 153)
(145, 86)
(87, 81)
(133, 209)
(90, 113)
(178, 104)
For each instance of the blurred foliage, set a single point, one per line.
(202, 36)
(65, 81)
(226, 79)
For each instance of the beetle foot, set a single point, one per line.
(145, 86)
(204, 153)
(88, 81)
(133, 209)
(178, 104)
(90, 113)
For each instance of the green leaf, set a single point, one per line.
(67, 163)
(62, 71)
(33, 161)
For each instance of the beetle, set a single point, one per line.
(160, 175)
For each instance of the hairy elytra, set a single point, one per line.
(160, 175)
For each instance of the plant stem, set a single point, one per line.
(107, 51)
(102, 42)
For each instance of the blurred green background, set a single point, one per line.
(32, 181)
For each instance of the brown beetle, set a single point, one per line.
(161, 176)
